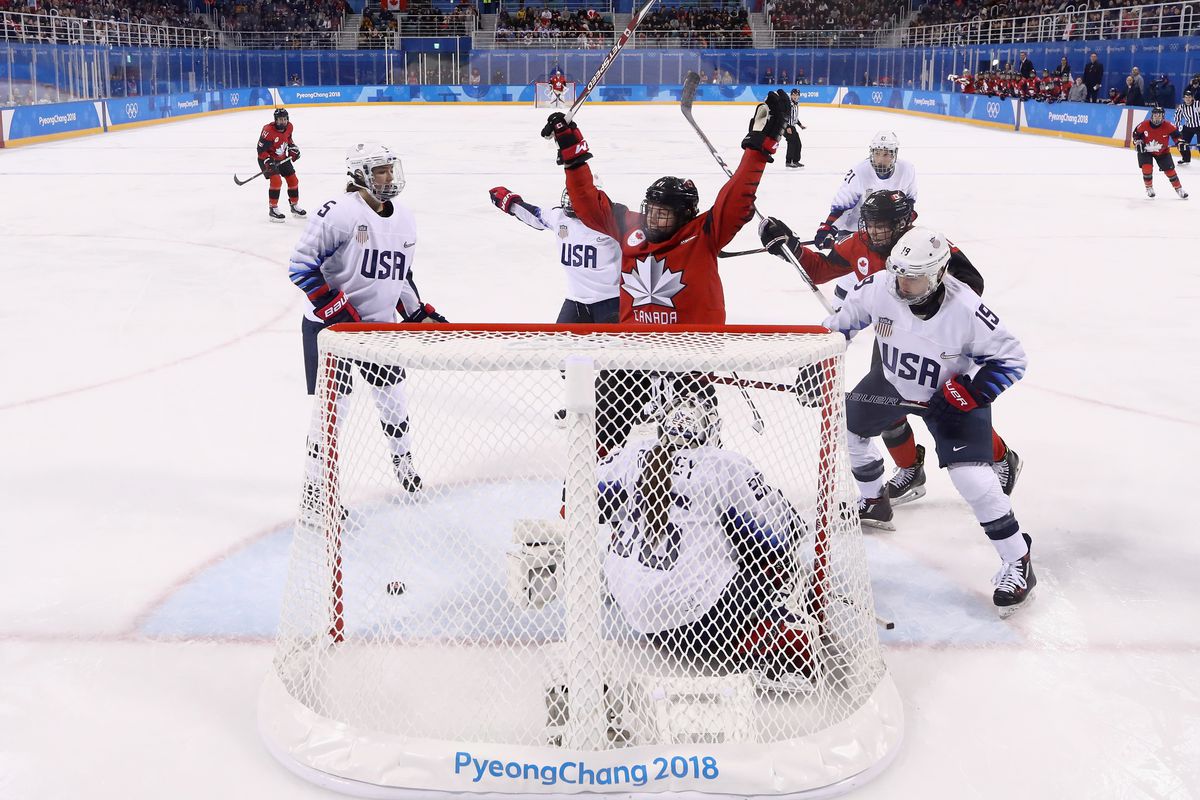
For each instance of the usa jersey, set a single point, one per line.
(861, 181)
(356, 251)
(663, 585)
(590, 259)
(919, 355)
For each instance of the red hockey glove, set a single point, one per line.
(293, 152)
(424, 313)
(502, 198)
(954, 398)
(332, 307)
(572, 149)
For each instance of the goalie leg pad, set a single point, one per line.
(535, 562)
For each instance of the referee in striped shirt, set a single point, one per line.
(1187, 119)
(790, 134)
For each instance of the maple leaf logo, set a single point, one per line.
(649, 284)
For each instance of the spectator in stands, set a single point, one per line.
(1027, 68)
(769, 76)
(801, 78)
(1093, 77)
(784, 77)
(1078, 93)
(475, 78)
(1162, 92)
(1115, 98)
(1133, 94)
(1194, 87)
(294, 80)
(1063, 70)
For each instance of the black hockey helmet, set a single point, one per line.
(889, 209)
(281, 118)
(1158, 112)
(678, 195)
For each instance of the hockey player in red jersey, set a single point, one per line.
(669, 249)
(886, 216)
(277, 153)
(1153, 141)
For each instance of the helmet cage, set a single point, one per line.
(361, 162)
(926, 255)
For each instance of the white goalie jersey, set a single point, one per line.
(860, 181)
(591, 260)
(369, 257)
(715, 494)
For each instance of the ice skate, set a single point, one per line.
(560, 418)
(274, 214)
(297, 211)
(1008, 469)
(1014, 583)
(1149, 191)
(1182, 194)
(876, 512)
(908, 483)
(406, 473)
(312, 507)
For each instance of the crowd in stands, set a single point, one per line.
(279, 15)
(414, 18)
(704, 27)
(528, 25)
(1105, 19)
(831, 15)
(57, 21)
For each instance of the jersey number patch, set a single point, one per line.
(382, 264)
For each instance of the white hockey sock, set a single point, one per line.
(1011, 549)
(392, 403)
(979, 486)
(866, 462)
(316, 435)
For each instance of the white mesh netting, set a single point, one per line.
(674, 562)
(546, 96)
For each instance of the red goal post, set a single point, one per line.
(486, 619)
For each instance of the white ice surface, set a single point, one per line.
(152, 415)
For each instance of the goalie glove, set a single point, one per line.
(572, 148)
(503, 198)
(424, 313)
(332, 306)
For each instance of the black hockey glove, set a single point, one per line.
(825, 237)
(775, 235)
(572, 149)
(767, 124)
(293, 152)
(424, 313)
(332, 306)
(269, 167)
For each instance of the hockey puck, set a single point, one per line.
(395, 587)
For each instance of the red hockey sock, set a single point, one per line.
(999, 448)
(1173, 177)
(904, 453)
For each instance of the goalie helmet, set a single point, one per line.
(361, 161)
(281, 119)
(678, 195)
(888, 211)
(920, 253)
(884, 150)
(689, 422)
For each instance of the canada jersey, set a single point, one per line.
(356, 251)
(861, 181)
(674, 582)
(273, 143)
(591, 260)
(674, 282)
(1156, 140)
(558, 82)
(919, 355)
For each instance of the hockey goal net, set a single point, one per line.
(546, 96)
(632, 565)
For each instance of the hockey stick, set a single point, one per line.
(690, 83)
(758, 425)
(736, 253)
(858, 397)
(634, 21)
(241, 182)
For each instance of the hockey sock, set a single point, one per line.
(1147, 174)
(866, 463)
(979, 486)
(901, 444)
(293, 189)
(273, 192)
(1012, 547)
(999, 448)
(313, 464)
(1173, 177)
(393, 416)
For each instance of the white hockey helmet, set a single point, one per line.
(361, 161)
(884, 150)
(565, 201)
(689, 422)
(919, 253)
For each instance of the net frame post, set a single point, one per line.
(583, 578)
(331, 519)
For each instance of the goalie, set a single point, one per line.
(703, 549)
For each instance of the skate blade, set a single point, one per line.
(915, 493)
(1007, 611)
(280, 219)
(783, 684)
(874, 523)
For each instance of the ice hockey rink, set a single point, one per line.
(153, 414)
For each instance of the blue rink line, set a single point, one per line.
(240, 597)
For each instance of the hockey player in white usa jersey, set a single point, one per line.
(938, 344)
(703, 550)
(591, 260)
(882, 170)
(354, 263)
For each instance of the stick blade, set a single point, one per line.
(690, 82)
